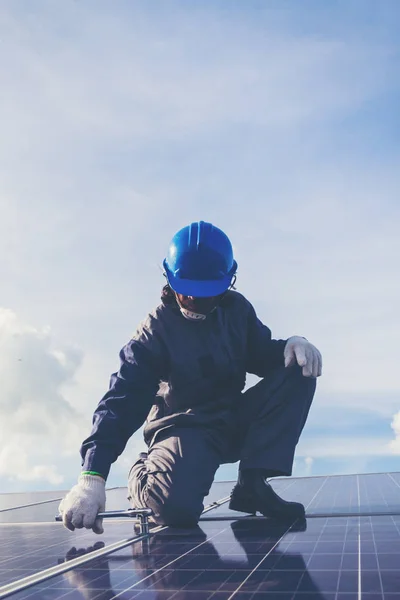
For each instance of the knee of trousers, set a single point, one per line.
(171, 503)
(295, 374)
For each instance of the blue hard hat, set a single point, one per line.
(200, 261)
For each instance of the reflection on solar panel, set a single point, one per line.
(349, 548)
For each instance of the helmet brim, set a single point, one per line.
(199, 289)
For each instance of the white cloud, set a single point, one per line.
(18, 458)
(38, 427)
(309, 461)
(303, 466)
(395, 425)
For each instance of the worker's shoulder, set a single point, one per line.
(153, 322)
(236, 301)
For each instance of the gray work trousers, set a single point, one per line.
(177, 472)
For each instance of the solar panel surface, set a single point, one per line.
(332, 557)
(31, 540)
(332, 495)
(8, 501)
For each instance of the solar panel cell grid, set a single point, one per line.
(244, 557)
(29, 547)
(331, 558)
(25, 550)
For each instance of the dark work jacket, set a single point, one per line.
(179, 372)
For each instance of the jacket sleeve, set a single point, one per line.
(263, 353)
(126, 405)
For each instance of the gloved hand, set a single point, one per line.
(306, 355)
(81, 505)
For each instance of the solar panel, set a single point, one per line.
(28, 549)
(332, 557)
(32, 538)
(9, 501)
(339, 494)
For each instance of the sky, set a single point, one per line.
(122, 122)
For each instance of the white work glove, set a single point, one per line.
(299, 350)
(81, 505)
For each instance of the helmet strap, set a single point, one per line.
(229, 288)
(189, 314)
(192, 316)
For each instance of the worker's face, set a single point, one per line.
(201, 306)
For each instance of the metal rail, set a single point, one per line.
(233, 517)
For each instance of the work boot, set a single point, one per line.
(253, 494)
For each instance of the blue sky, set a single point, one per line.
(122, 122)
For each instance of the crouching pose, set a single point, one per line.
(183, 375)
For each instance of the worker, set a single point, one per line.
(182, 374)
